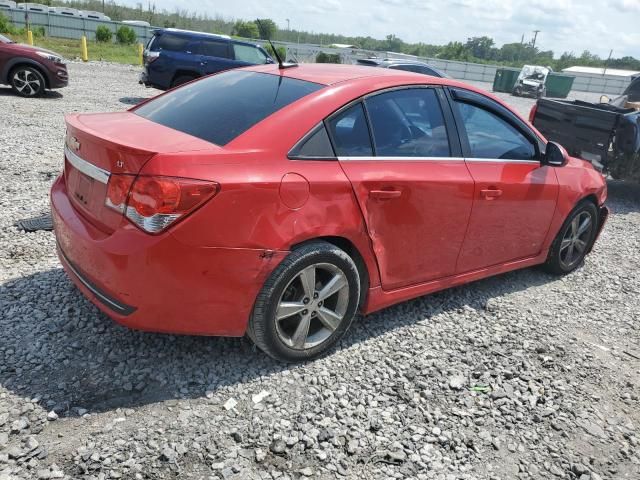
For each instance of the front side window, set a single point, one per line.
(490, 136)
(350, 133)
(214, 48)
(249, 54)
(221, 107)
(408, 123)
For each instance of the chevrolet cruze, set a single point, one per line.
(280, 202)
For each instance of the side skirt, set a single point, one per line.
(378, 298)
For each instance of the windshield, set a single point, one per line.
(221, 107)
(4, 39)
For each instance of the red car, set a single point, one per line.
(30, 70)
(279, 202)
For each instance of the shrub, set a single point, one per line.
(328, 58)
(282, 51)
(245, 29)
(126, 35)
(103, 34)
(6, 26)
(38, 32)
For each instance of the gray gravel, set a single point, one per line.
(519, 376)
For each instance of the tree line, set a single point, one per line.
(476, 49)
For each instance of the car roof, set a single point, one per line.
(330, 73)
(190, 33)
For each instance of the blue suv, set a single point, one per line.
(173, 57)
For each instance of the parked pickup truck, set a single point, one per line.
(606, 134)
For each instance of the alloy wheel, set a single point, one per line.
(312, 306)
(575, 241)
(26, 82)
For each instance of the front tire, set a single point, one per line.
(27, 81)
(574, 240)
(307, 304)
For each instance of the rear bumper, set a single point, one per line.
(157, 283)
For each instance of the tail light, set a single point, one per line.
(150, 57)
(532, 113)
(155, 203)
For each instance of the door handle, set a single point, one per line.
(490, 193)
(384, 194)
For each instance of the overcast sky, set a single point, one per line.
(566, 25)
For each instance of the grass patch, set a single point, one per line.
(70, 49)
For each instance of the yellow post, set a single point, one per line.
(83, 48)
(30, 37)
(140, 53)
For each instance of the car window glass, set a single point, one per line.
(350, 133)
(171, 43)
(633, 91)
(316, 145)
(221, 107)
(407, 68)
(492, 137)
(408, 123)
(214, 48)
(249, 54)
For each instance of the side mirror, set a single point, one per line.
(555, 155)
(604, 99)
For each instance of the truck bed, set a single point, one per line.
(606, 135)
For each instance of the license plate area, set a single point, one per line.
(83, 189)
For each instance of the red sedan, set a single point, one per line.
(279, 202)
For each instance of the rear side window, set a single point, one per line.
(221, 107)
(249, 54)
(350, 133)
(315, 145)
(214, 48)
(169, 42)
(408, 123)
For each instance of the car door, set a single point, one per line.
(515, 196)
(404, 162)
(215, 56)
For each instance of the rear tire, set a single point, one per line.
(181, 80)
(307, 304)
(574, 240)
(27, 81)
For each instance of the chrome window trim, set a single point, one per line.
(401, 159)
(435, 159)
(502, 160)
(89, 169)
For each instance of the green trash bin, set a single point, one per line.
(559, 85)
(505, 79)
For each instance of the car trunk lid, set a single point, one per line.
(99, 145)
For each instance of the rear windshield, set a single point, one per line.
(221, 107)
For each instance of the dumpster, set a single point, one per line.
(505, 79)
(559, 85)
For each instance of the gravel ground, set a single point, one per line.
(519, 376)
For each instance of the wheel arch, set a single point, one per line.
(18, 62)
(184, 72)
(353, 251)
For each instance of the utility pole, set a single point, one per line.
(535, 36)
(606, 64)
(288, 24)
